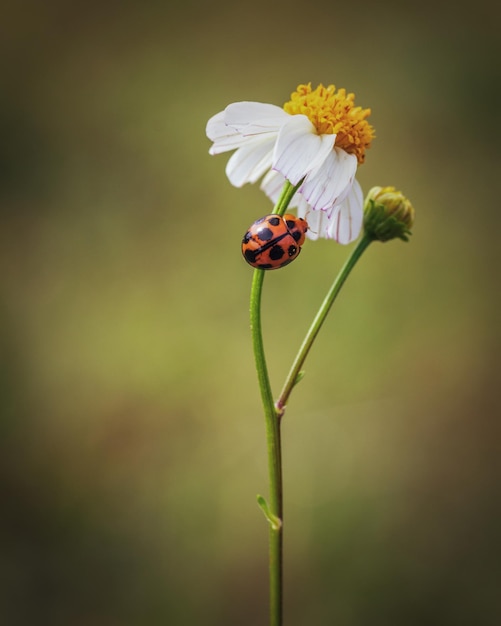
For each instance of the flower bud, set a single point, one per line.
(388, 214)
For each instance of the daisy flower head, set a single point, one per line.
(316, 141)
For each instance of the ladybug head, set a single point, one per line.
(297, 226)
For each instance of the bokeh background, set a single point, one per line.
(132, 441)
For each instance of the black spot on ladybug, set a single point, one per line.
(274, 221)
(290, 224)
(265, 234)
(250, 256)
(247, 237)
(292, 250)
(297, 235)
(276, 253)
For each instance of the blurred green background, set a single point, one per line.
(132, 441)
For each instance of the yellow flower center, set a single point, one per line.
(332, 113)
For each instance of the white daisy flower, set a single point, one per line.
(319, 137)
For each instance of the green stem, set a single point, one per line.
(274, 508)
(295, 371)
(275, 504)
(286, 195)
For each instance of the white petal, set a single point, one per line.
(240, 122)
(272, 185)
(329, 184)
(214, 125)
(345, 222)
(224, 137)
(254, 118)
(299, 149)
(315, 219)
(250, 162)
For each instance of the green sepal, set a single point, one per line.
(383, 227)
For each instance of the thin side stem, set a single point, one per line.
(292, 377)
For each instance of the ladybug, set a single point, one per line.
(274, 241)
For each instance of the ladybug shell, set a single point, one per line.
(274, 241)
